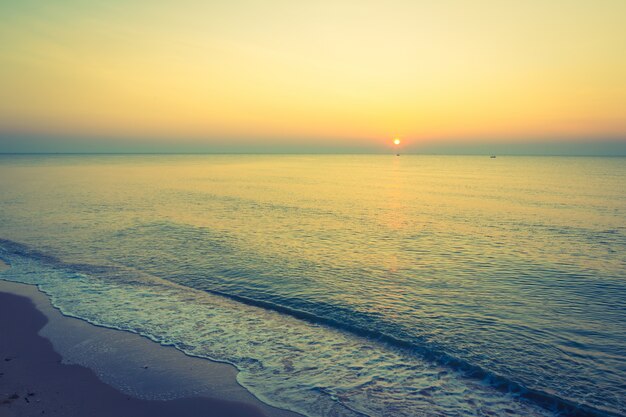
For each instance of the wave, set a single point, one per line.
(549, 401)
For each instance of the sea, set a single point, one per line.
(345, 285)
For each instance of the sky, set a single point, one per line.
(464, 76)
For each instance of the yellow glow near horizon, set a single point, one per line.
(350, 70)
(396, 141)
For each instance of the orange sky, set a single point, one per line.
(356, 72)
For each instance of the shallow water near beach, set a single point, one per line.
(345, 285)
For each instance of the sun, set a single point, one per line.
(396, 141)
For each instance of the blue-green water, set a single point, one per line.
(345, 285)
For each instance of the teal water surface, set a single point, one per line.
(345, 285)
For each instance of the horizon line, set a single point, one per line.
(318, 153)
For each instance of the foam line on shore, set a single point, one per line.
(133, 364)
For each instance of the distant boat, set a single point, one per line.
(397, 154)
(492, 156)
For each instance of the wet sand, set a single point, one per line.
(54, 365)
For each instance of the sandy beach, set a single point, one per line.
(60, 366)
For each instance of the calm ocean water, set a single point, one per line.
(346, 285)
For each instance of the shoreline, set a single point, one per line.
(115, 372)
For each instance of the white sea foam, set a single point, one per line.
(289, 363)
